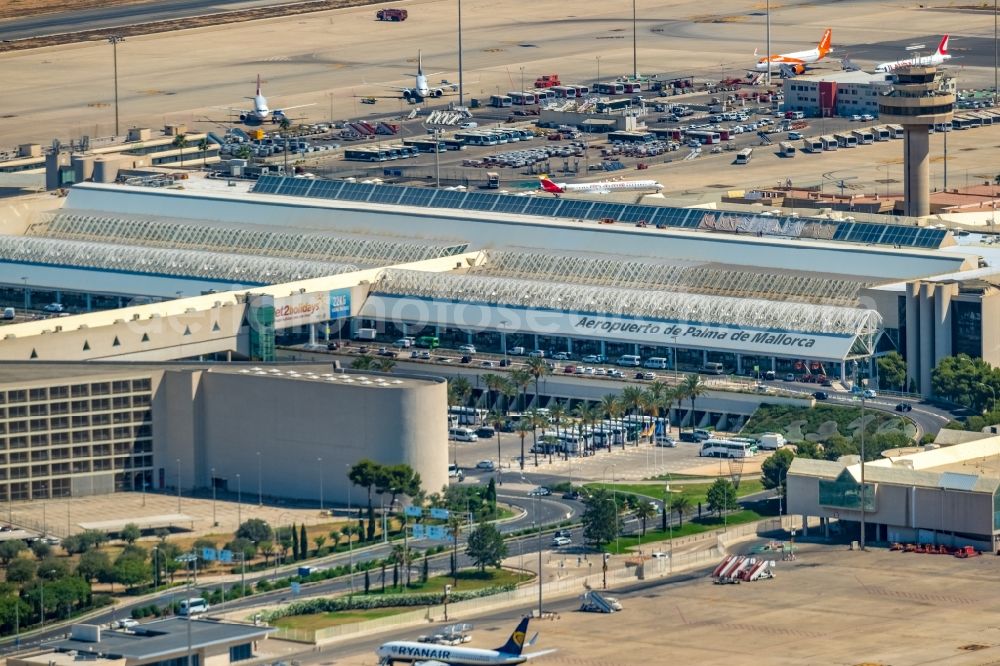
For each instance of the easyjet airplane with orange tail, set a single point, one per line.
(797, 61)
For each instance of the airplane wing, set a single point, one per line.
(532, 655)
(299, 106)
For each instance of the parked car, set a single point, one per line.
(790, 377)
(569, 369)
(649, 376)
(489, 364)
(516, 351)
(593, 358)
(467, 349)
(560, 356)
(537, 353)
(466, 359)
(54, 307)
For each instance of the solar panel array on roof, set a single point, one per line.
(660, 216)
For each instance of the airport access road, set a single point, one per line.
(549, 510)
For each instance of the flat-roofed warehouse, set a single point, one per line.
(942, 496)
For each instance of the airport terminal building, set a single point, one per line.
(160, 275)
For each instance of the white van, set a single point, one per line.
(463, 434)
(193, 606)
(657, 362)
(629, 361)
(712, 368)
(771, 441)
(9, 313)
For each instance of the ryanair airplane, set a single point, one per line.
(422, 654)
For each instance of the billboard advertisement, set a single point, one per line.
(301, 309)
(340, 303)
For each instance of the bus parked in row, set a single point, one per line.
(728, 448)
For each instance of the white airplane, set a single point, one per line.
(421, 90)
(602, 187)
(259, 111)
(424, 654)
(796, 62)
(937, 58)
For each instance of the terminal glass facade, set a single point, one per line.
(845, 493)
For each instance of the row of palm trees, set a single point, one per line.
(655, 400)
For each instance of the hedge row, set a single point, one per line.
(329, 605)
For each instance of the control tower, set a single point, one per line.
(916, 102)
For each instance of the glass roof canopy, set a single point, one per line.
(240, 268)
(678, 276)
(659, 216)
(628, 302)
(366, 251)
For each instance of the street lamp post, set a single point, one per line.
(350, 537)
(215, 522)
(25, 281)
(670, 527)
(239, 500)
(635, 57)
(260, 486)
(319, 461)
(461, 80)
(114, 40)
(178, 485)
(598, 59)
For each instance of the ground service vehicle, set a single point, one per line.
(547, 81)
(391, 15)
(744, 156)
(713, 368)
(365, 334)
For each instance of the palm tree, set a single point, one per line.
(203, 146)
(460, 389)
(588, 414)
(535, 420)
(363, 363)
(284, 125)
(385, 364)
(497, 420)
(522, 429)
(644, 510)
(631, 399)
(537, 368)
(680, 504)
(521, 378)
(611, 406)
(180, 142)
(493, 383)
(557, 412)
(656, 399)
(335, 535)
(694, 388)
(509, 390)
(244, 152)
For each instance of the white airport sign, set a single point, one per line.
(610, 328)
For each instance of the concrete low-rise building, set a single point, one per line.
(161, 643)
(72, 429)
(835, 93)
(948, 495)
